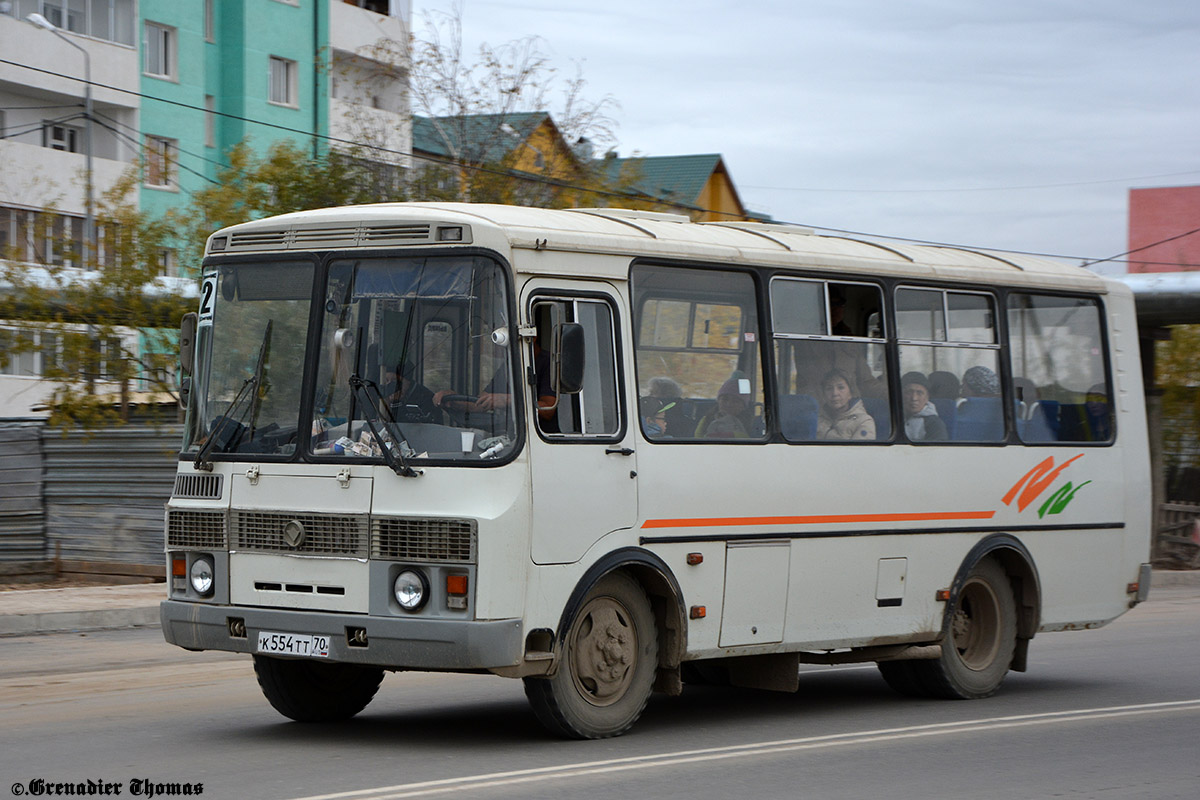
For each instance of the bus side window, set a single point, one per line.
(696, 344)
(830, 335)
(594, 411)
(1057, 349)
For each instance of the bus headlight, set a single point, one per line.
(201, 575)
(411, 590)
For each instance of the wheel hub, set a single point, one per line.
(604, 652)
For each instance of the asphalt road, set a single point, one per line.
(1113, 713)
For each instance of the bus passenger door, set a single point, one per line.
(581, 454)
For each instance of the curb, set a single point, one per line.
(70, 621)
(1170, 578)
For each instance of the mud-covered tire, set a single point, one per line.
(316, 691)
(978, 648)
(608, 662)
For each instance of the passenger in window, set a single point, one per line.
(980, 417)
(843, 415)
(726, 420)
(655, 420)
(497, 395)
(837, 312)
(980, 381)
(921, 420)
(408, 398)
(1091, 422)
(944, 384)
(669, 398)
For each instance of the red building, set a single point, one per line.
(1164, 216)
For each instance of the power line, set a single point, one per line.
(1143, 247)
(1064, 185)
(625, 195)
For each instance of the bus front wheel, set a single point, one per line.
(608, 663)
(316, 691)
(978, 649)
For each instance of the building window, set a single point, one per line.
(160, 160)
(61, 137)
(210, 121)
(210, 30)
(158, 48)
(166, 262)
(282, 82)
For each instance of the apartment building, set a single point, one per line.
(173, 85)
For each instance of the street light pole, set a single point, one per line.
(89, 223)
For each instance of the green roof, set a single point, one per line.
(674, 178)
(484, 138)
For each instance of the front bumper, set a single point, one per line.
(392, 642)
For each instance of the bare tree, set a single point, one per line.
(478, 107)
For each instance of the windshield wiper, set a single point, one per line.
(252, 382)
(370, 410)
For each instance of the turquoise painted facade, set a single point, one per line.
(232, 68)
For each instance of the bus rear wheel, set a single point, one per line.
(979, 648)
(316, 691)
(608, 663)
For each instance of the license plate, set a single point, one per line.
(293, 644)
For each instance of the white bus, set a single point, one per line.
(610, 452)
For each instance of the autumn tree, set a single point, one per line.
(102, 319)
(1177, 362)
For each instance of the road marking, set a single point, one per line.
(580, 769)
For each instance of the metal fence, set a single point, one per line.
(85, 496)
(22, 513)
(1177, 540)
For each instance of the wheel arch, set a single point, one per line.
(1018, 564)
(666, 604)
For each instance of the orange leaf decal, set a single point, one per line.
(1036, 481)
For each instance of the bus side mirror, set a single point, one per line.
(567, 354)
(185, 391)
(187, 341)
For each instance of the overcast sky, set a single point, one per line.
(1019, 124)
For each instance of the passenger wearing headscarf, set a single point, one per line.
(980, 417)
(980, 381)
(921, 420)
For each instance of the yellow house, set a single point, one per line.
(504, 158)
(697, 185)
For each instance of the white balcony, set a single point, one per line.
(366, 34)
(39, 177)
(113, 64)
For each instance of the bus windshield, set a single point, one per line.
(406, 350)
(250, 359)
(428, 338)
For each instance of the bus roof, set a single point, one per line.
(638, 234)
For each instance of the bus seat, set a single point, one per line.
(1036, 428)
(1047, 413)
(980, 419)
(943, 384)
(881, 411)
(798, 417)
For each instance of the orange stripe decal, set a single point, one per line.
(818, 519)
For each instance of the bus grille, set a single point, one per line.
(196, 529)
(198, 487)
(335, 535)
(424, 539)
